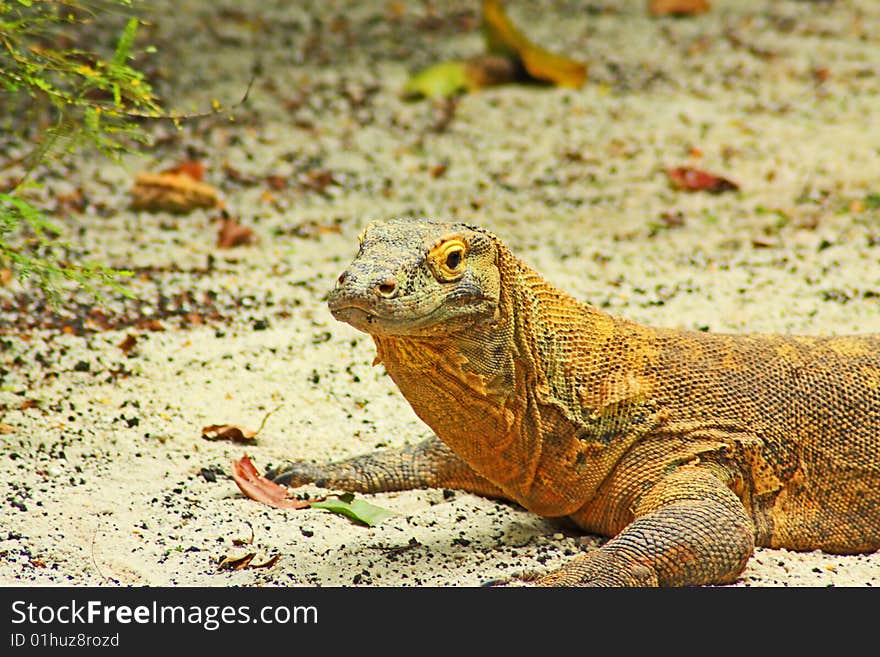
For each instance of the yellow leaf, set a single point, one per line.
(503, 38)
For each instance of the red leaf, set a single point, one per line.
(258, 488)
(232, 233)
(191, 168)
(695, 180)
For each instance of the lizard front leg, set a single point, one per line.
(429, 464)
(689, 529)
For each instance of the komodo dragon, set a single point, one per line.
(687, 448)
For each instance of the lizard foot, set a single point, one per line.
(296, 474)
(524, 578)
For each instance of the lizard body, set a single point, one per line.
(688, 448)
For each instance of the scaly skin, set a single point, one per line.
(688, 448)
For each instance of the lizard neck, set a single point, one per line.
(490, 392)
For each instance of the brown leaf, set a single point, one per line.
(317, 180)
(231, 234)
(6, 428)
(677, 7)
(491, 70)
(503, 38)
(236, 563)
(310, 229)
(150, 325)
(228, 432)
(438, 170)
(128, 343)
(276, 182)
(237, 176)
(820, 74)
(268, 563)
(764, 242)
(75, 201)
(5, 277)
(258, 488)
(172, 192)
(695, 180)
(672, 219)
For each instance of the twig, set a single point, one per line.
(92, 551)
(266, 417)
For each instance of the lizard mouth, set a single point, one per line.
(368, 318)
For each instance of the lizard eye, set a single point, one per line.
(448, 258)
(453, 260)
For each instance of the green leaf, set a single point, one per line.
(356, 509)
(438, 81)
(123, 47)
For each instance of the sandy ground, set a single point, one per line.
(105, 477)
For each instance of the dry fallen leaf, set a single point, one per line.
(172, 192)
(511, 57)
(128, 343)
(75, 201)
(246, 561)
(276, 182)
(258, 488)
(150, 325)
(764, 242)
(695, 180)
(492, 70)
(268, 563)
(310, 228)
(228, 432)
(236, 563)
(677, 7)
(238, 542)
(503, 38)
(317, 180)
(191, 168)
(231, 234)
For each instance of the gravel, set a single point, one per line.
(104, 476)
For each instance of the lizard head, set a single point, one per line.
(419, 278)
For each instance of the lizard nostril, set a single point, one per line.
(342, 277)
(386, 288)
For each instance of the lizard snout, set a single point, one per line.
(359, 288)
(360, 296)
